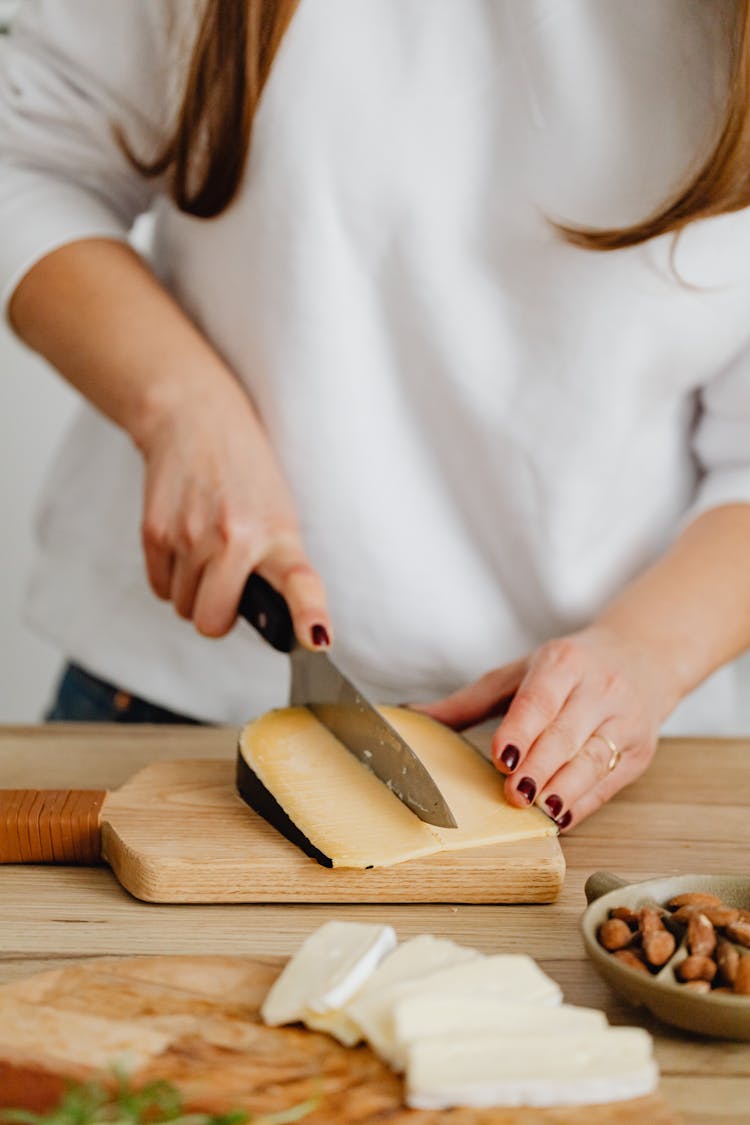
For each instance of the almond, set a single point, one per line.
(625, 914)
(727, 958)
(722, 915)
(697, 985)
(739, 931)
(650, 920)
(694, 898)
(742, 979)
(684, 913)
(701, 936)
(631, 958)
(696, 967)
(614, 934)
(658, 946)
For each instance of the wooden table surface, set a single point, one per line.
(689, 814)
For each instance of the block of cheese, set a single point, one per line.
(293, 771)
(428, 1014)
(530, 1070)
(512, 977)
(420, 956)
(328, 969)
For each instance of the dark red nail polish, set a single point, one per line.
(320, 636)
(554, 805)
(509, 757)
(527, 788)
(565, 819)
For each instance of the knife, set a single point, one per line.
(335, 701)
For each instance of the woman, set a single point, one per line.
(364, 361)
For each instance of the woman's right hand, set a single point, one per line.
(217, 507)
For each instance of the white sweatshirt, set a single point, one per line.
(488, 432)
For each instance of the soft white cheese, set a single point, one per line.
(329, 968)
(413, 959)
(425, 1015)
(541, 1070)
(336, 1023)
(513, 977)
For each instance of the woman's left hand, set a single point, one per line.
(582, 720)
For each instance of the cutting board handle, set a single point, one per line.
(50, 826)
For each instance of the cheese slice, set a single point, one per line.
(304, 781)
(422, 954)
(419, 956)
(328, 969)
(425, 1015)
(510, 976)
(472, 786)
(480, 1071)
(337, 1024)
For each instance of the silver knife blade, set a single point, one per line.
(318, 685)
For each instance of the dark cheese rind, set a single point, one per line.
(254, 793)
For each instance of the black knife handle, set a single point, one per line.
(267, 612)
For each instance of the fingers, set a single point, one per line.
(288, 569)
(541, 696)
(560, 741)
(202, 567)
(487, 697)
(585, 783)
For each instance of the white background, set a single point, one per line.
(35, 406)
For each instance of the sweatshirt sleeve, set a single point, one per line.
(722, 439)
(71, 71)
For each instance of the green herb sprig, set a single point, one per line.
(159, 1103)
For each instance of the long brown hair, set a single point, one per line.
(205, 157)
(235, 47)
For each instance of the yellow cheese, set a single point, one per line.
(472, 787)
(352, 818)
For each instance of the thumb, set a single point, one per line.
(484, 699)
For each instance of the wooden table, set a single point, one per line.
(689, 814)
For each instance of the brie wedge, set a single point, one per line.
(535, 1070)
(511, 977)
(442, 1014)
(329, 968)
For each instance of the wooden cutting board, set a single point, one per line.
(194, 1022)
(178, 832)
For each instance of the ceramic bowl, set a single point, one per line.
(720, 1015)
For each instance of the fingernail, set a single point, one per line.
(510, 756)
(527, 788)
(565, 819)
(554, 805)
(320, 636)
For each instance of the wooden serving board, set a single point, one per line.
(194, 1022)
(178, 832)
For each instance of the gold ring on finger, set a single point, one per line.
(614, 753)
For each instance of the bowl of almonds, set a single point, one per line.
(679, 945)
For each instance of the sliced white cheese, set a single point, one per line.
(514, 977)
(353, 818)
(412, 959)
(424, 1015)
(337, 1024)
(539, 1070)
(329, 968)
